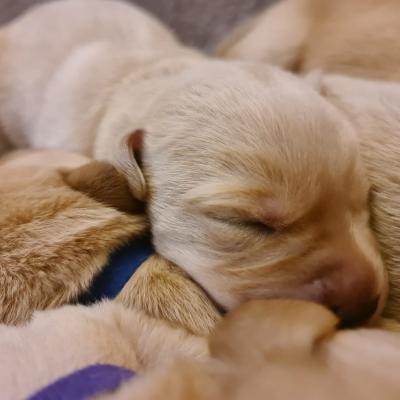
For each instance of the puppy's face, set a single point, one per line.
(256, 189)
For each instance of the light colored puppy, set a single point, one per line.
(280, 350)
(352, 37)
(373, 107)
(58, 342)
(245, 169)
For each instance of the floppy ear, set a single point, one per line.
(104, 183)
(127, 159)
(270, 328)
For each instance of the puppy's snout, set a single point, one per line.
(350, 289)
(357, 314)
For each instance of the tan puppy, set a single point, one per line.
(61, 217)
(245, 169)
(352, 37)
(281, 350)
(373, 107)
(355, 38)
(57, 342)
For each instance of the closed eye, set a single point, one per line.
(259, 226)
(254, 225)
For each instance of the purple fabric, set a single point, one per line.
(86, 382)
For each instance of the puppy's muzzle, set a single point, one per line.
(350, 288)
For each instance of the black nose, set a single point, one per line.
(356, 315)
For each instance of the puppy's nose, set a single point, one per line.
(355, 315)
(350, 290)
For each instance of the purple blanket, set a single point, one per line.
(85, 383)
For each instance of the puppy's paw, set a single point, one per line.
(263, 328)
(163, 291)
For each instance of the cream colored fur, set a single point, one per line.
(245, 169)
(352, 37)
(374, 109)
(58, 342)
(280, 350)
(358, 38)
(61, 217)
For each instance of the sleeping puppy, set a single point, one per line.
(280, 350)
(351, 37)
(373, 107)
(245, 170)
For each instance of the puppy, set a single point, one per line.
(77, 337)
(353, 38)
(62, 216)
(280, 350)
(373, 107)
(245, 169)
(357, 38)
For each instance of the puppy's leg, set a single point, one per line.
(273, 327)
(163, 291)
(277, 36)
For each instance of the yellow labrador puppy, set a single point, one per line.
(357, 38)
(252, 181)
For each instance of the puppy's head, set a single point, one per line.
(256, 189)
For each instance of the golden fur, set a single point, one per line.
(53, 239)
(60, 219)
(352, 37)
(280, 349)
(356, 38)
(244, 169)
(374, 109)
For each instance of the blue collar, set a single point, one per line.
(122, 264)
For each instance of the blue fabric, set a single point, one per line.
(122, 264)
(85, 383)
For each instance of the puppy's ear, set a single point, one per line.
(270, 328)
(104, 183)
(128, 160)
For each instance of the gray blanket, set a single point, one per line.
(200, 23)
